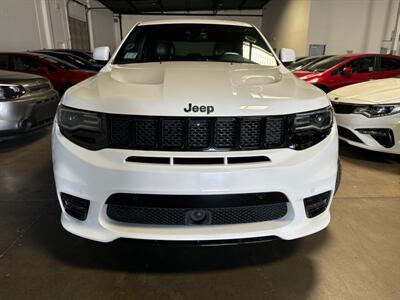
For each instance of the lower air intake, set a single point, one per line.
(196, 210)
(317, 204)
(74, 206)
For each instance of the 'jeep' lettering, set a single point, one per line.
(195, 108)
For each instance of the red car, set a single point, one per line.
(61, 74)
(340, 70)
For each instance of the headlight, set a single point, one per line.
(11, 91)
(317, 119)
(310, 128)
(84, 128)
(72, 119)
(374, 111)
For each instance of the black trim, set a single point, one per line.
(348, 134)
(247, 159)
(207, 243)
(317, 204)
(197, 201)
(198, 160)
(384, 136)
(148, 160)
(76, 207)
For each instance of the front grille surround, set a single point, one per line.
(158, 133)
(196, 134)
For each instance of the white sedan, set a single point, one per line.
(368, 114)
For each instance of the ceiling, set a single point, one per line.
(165, 6)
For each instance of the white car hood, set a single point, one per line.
(382, 91)
(167, 88)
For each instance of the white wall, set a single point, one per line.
(351, 25)
(36, 24)
(20, 26)
(128, 21)
(285, 24)
(101, 22)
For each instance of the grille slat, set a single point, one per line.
(196, 134)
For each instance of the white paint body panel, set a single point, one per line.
(164, 89)
(376, 92)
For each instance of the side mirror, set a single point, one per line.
(287, 55)
(347, 71)
(101, 53)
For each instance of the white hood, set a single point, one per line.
(167, 88)
(382, 91)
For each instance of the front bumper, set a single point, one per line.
(355, 122)
(29, 113)
(96, 175)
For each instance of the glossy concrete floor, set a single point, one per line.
(357, 257)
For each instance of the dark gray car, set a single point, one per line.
(27, 102)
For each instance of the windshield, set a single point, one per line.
(324, 64)
(60, 63)
(195, 42)
(301, 62)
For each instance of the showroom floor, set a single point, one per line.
(357, 257)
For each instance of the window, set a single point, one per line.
(362, 65)
(3, 62)
(358, 66)
(58, 62)
(389, 63)
(25, 63)
(324, 64)
(195, 42)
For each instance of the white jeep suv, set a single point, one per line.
(195, 132)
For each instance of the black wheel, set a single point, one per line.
(338, 176)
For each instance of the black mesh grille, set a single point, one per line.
(250, 133)
(146, 132)
(172, 133)
(179, 210)
(199, 133)
(196, 134)
(225, 133)
(179, 216)
(120, 129)
(274, 131)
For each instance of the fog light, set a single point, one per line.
(74, 206)
(383, 136)
(317, 204)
